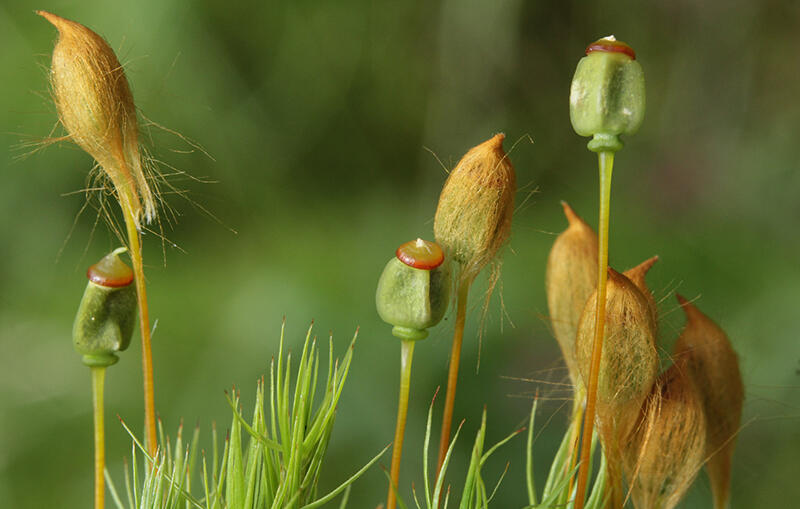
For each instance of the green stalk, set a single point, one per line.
(606, 165)
(98, 379)
(531, 484)
(406, 355)
(452, 375)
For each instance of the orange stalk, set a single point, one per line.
(452, 375)
(135, 250)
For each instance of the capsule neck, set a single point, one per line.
(602, 142)
(101, 360)
(409, 334)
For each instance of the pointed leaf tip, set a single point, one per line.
(645, 266)
(637, 274)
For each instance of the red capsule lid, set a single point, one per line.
(611, 45)
(420, 254)
(110, 271)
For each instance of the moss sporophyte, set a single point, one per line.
(103, 326)
(96, 107)
(655, 429)
(607, 99)
(413, 295)
(472, 224)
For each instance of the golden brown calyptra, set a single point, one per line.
(667, 449)
(629, 361)
(473, 218)
(95, 105)
(637, 276)
(570, 279)
(713, 365)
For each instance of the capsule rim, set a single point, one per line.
(611, 46)
(110, 282)
(435, 260)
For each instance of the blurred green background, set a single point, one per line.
(323, 119)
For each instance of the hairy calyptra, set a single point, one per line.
(95, 106)
(570, 279)
(704, 348)
(628, 366)
(666, 451)
(473, 218)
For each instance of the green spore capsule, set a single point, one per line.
(107, 313)
(607, 96)
(414, 289)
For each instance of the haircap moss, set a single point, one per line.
(570, 279)
(705, 350)
(628, 365)
(96, 107)
(667, 449)
(473, 219)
